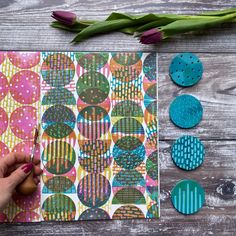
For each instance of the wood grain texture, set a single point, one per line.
(24, 25)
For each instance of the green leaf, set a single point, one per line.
(184, 26)
(219, 13)
(77, 27)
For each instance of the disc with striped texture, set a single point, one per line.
(188, 152)
(187, 197)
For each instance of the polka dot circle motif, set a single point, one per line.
(187, 197)
(24, 60)
(3, 218)
(58, 207)
(29, 202)
(26, 147)
(92, 61)
(2, 57)
(3, 86)
(22, 122)
(149, 67)
(4, 150)
(25, 87)
(126, 67)
(94, 214)
(3, 121)
(59, 157)
(188, 152)
(94, 190)
(58, 70)
(26, 216)
(126, 58)
(186, 111)
(186, 69)
(92, 87)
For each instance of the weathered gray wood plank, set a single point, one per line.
(216, 91)
(25, 25)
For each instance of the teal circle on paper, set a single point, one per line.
(186, 111)
(186, 69)
(187, 197)
(188, 152)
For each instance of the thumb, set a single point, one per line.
(19, 175)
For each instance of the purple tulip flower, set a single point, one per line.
(151, 36)
(64, 17)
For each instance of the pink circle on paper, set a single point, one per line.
(26, 147)
(26, 216)
(2, 57)
(22, 122)
(24, 60)
(3, 86)
(25, 87)
(4, 150)
(3, 218)
(27, 202)
(3, 121)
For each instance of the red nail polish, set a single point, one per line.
(27, 167)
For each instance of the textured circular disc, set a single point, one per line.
(188, 152)
(187, 197)
(186, 111)
(186, 69)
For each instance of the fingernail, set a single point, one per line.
(27, 167)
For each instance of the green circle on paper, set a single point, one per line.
(187, 197)
(186, 111)
(188, 152)
(186, 69)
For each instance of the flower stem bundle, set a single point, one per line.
(150, 28)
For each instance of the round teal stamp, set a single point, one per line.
(186, 111)
(188, 197)
(188, 152)
(186, 69)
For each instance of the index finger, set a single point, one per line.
(13, 158)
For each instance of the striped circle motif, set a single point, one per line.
(188, 152)
(187, 197)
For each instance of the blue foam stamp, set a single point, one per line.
(186, 69)
(186, 111)
(188, 152)
(188, 197)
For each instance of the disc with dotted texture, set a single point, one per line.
(186, 69)
(188, 152)
(187, 197)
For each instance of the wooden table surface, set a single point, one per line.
(24, 25)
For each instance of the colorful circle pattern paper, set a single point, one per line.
(98, 134)
(188, 152)
(130, 129)
(93, 123)
(19, 110)
(187, 197)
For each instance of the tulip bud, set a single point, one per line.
(64, 17)
(151, 36)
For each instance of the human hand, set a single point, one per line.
(14, 168)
